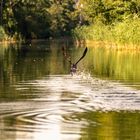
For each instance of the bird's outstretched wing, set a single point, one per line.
(84, 53)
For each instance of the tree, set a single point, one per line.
(108, 11)
(39, 18)
(62, 15)
(32, 18)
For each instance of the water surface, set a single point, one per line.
(40, 100)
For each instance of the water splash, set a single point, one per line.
(85, 92)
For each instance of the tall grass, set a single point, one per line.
(126, 32)
(6, 38)
(3, 35)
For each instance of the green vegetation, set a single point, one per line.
(127, 31)
(103, 20)
(37, 19)
(110, 21)
(2, 34)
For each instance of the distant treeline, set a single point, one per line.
(41, 19)
(37, 18)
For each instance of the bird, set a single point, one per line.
(73, 66)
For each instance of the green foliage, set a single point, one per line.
(124, 32)
(2, 34)
(32, 18)
(90, 19)
(92, 10)
(113, 21)
(94, 32)
(120, 10)
(62, 17)
(109, 11)
(127, 31)
(38, 18)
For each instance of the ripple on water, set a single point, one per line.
(60, 99)
(55, 120)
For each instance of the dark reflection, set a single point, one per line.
(19, 62)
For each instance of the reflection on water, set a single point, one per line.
(39, 100)
(117, 65)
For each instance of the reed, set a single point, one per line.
(5, 38)
(3, 35)
(121, 33)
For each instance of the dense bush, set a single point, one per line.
(2, 34)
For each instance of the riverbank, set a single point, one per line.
(123, 35)
(83, 43)
(8, 41)
(108, 45)
(5, 38)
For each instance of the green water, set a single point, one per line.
(39, 99)
(116, 65)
